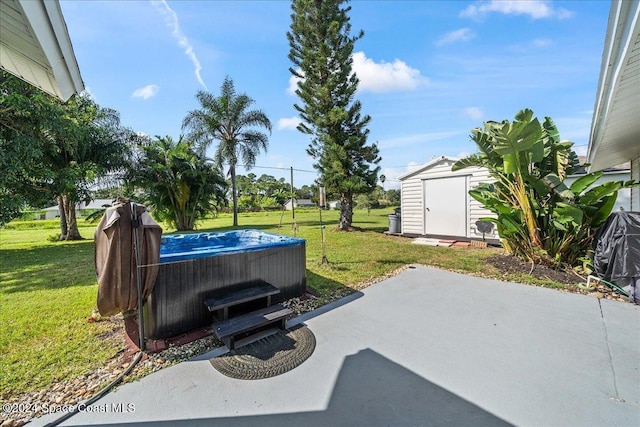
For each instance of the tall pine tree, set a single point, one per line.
(321, 48)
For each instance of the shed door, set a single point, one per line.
(445, 206)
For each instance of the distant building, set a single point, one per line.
(81, 209)
(335, 204)
(299, 203)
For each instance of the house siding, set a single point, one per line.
(635, 191)
(411, 202)
(623, 201)
(476, 210)
(412, 193)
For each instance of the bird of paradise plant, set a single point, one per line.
(539, 218)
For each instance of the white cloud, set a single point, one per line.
(536, 9)
(541, 42)
(576, 129)
(581, 149)
(413, 166)
(293, 84)
(474, 113)
(171, 19)
(461, 35)
(392, 175)
(280, 161)
(146, 92)
(533, 44)
(288, 123)
(378, 76)
(419, 138)
(386, 76)
(87, 92)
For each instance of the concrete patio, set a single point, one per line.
(426, 347)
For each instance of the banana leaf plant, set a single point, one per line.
(539, 218)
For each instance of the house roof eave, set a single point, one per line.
(35, 46)
(615, 130)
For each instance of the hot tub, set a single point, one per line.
(180, 247)
(194, 267)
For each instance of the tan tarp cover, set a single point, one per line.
(115, 258)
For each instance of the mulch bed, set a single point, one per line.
(511, 265)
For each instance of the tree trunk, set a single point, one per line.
(72, 224)
(234, 195)
(346, 211)
(63, 218)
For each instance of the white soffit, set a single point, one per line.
(35, 46)
(615, 129)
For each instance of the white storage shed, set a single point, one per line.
(435, 201)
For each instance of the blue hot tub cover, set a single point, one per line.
(180, 247)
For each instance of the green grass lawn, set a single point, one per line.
(48, 288)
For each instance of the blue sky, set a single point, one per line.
(430, 71)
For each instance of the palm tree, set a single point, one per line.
(225, 119)
(181, 186)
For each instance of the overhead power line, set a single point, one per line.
(274, 167)
(284, 169)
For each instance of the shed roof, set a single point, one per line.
(35, 46)
(426, 166)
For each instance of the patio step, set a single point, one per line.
(228, 330)
(260, 290)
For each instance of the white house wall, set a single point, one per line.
(615, 128)
(635, 192)
(624, 195)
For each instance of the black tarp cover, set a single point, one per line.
(617, 247)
